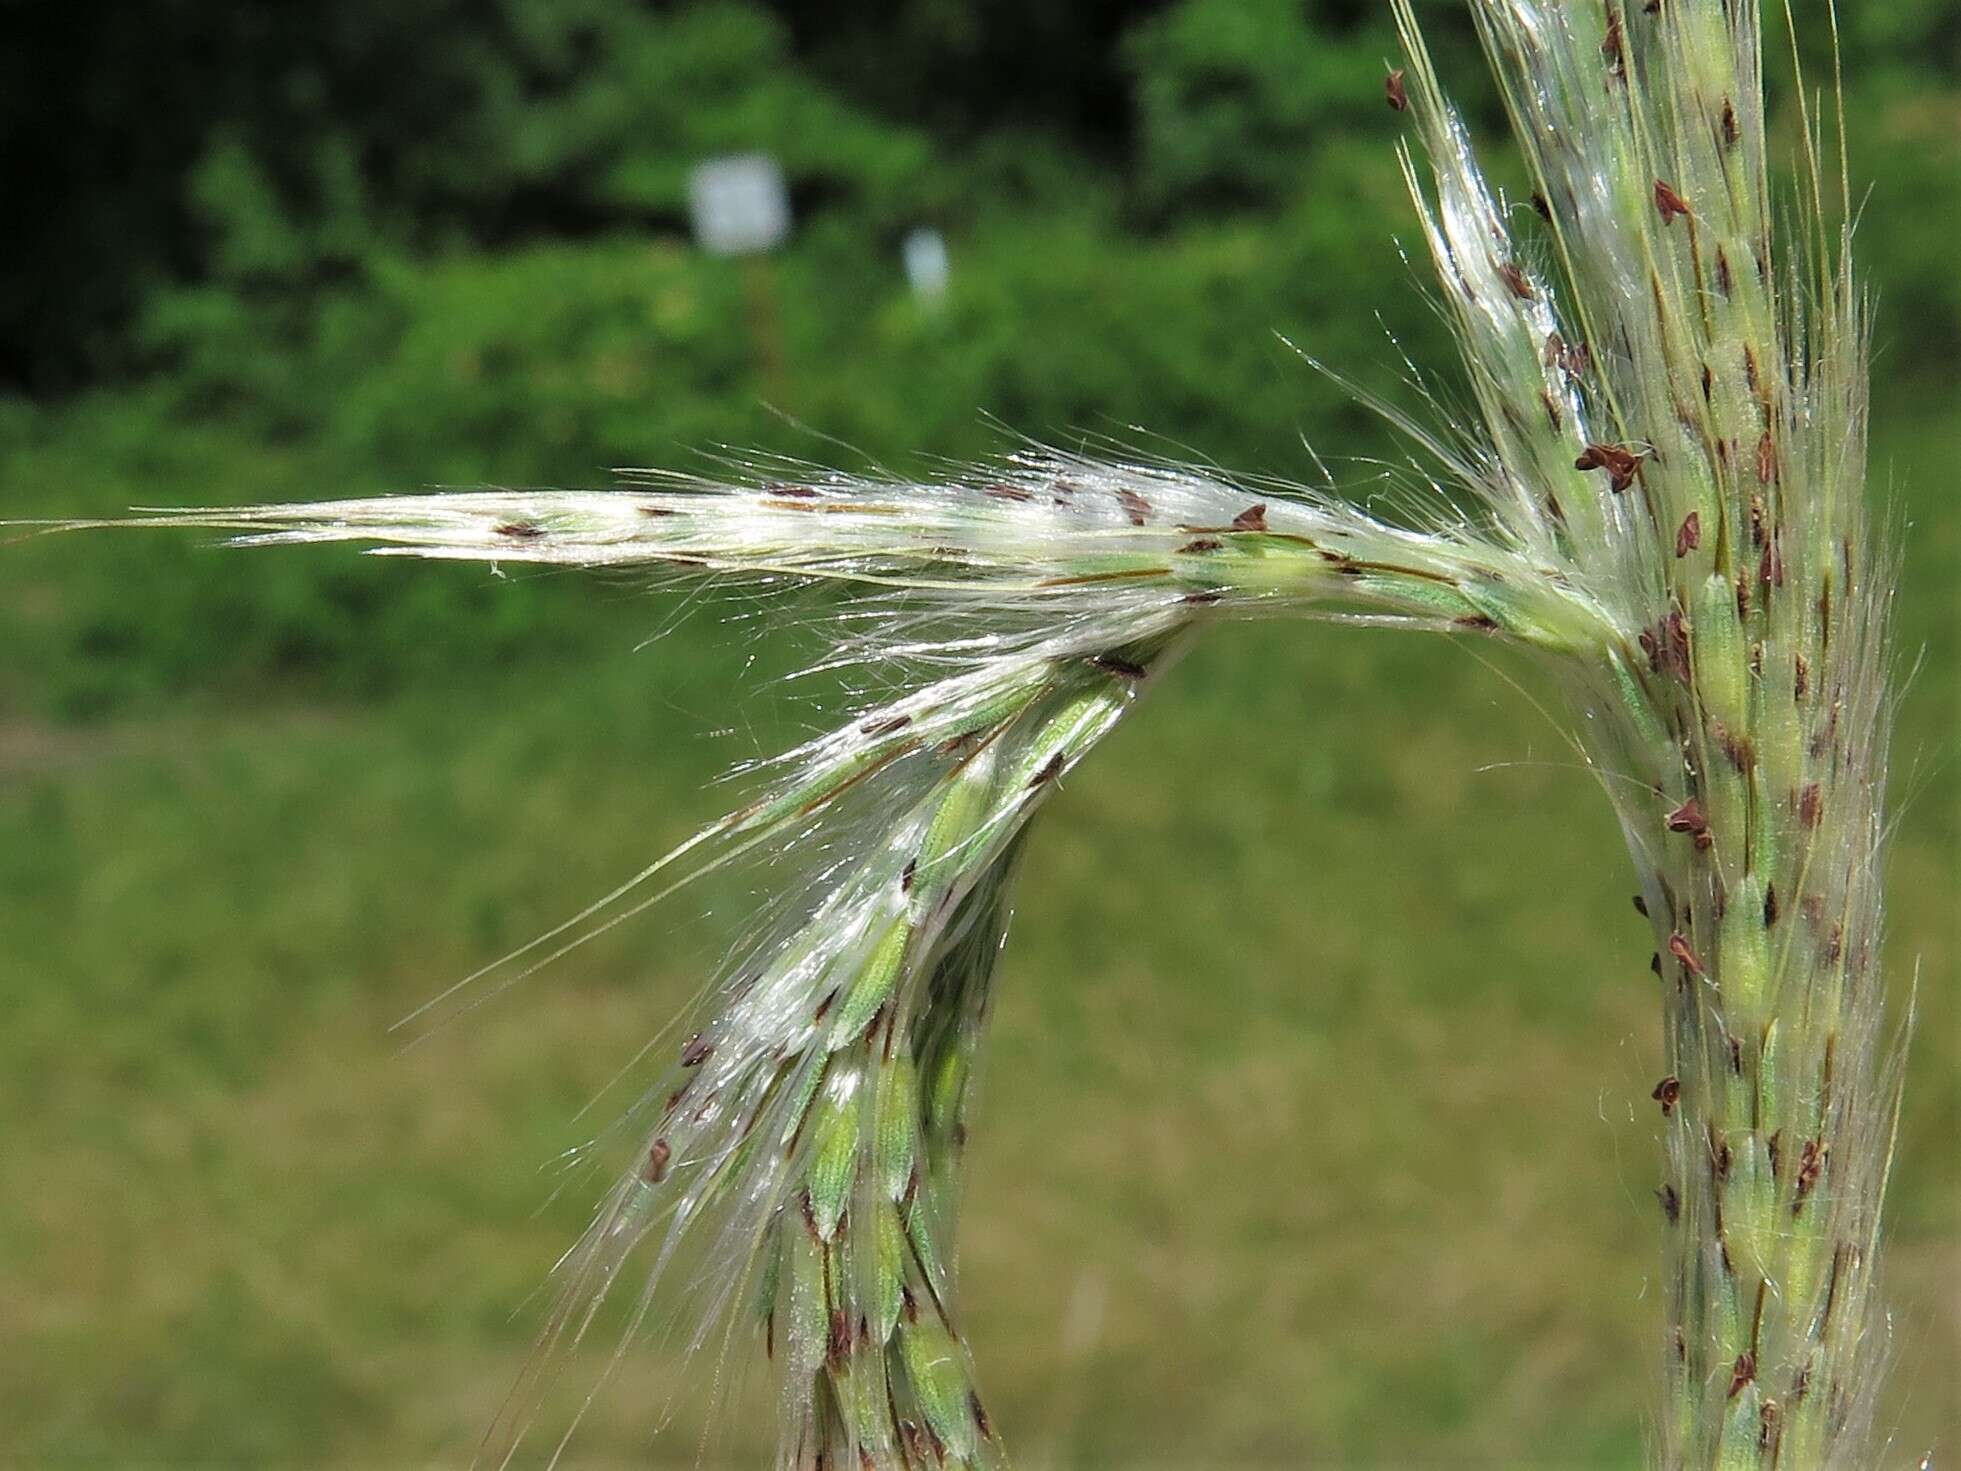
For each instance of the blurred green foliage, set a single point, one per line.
(366, 247)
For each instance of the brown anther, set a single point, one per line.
(908, 1303)
(1198, 545)
(1811, 1163)
(1119, 666)
(795, 492)
(1766, 459)
(1770, 566)
(1725, 282)
(1393, 91)
(1611, 46)
(1811, 804)
(1253, 518)
(1736, 1056)
(1767, 1425)
(1667, 1091)
(656, 511)
(1737, 749)
(1202, 599)
(1051, 769)
(1678, 946)
(519, 530)
(1651, 646)
(823, 1006)
(1620, 463)
(1774, 1147)
(1689, 535)
(1134, 506)
(890, 725)
(1516, 282)
(1005, 492)
(1719, 1163)
(1687, 818)
(1669, 203)
(695, 1051)
(1770, 905)
(1742, 595)
(1800, 678)
(1483, 622)
(655, 1169)
(980, 1416)
(1742, 1373)
(1671, 1203)
(1677, 629)
(839, 1348)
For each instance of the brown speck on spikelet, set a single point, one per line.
(1687, 818)
(1742, 1372)
(1393, 91)
(1667, 1091)
(1515, 281)
(1689, 535)
(1810, 804)
(1612, 47)
(1121, 667)
(1670, 204)
(1253, 518)
(1620, 463)
(1135, 507)
(1679, 947)
(655, 1168)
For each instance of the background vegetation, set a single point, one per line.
(1316, 1128)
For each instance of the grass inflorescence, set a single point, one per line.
(1657, 490)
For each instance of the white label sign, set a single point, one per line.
(739, 204)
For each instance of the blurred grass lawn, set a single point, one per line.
(1315, 1128)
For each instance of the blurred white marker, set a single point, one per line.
(739, 204)
(926, 263)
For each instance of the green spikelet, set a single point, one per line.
(872, 987)
(936, 1365)
(834, 1151)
